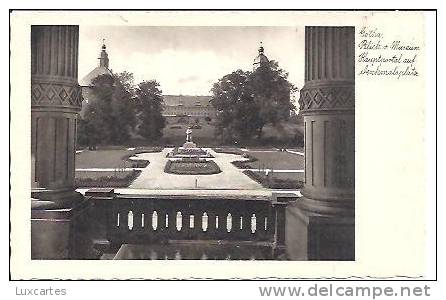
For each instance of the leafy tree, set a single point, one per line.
(247, 101)
(110, 114)
(272, 94)
(234, 105)
(95, 127)
(149, 104)
(123, 108)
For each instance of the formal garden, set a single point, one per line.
(118, 167)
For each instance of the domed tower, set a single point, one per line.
(261, 59)
(85, 83)
(103, 60)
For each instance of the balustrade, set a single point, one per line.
(133, 219)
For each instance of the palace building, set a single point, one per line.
(182, 108)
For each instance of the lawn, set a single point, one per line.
(103, 159)
(175, 134)
(105, 179)
(276, 180)
(111, 158)
(276, 160)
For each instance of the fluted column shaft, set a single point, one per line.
(327, 104)
(55, 103)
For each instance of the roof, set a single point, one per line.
(184, 100)
(86, 81)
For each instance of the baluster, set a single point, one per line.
(172, 223)
(235, 226)
(185, 228)
(123, 220)
(245, 231)
(270, 225)
(211, 232)
(198, 226)
(161, 222)
(260, 233)
(148, 216)
(137, 218)
(221, 232)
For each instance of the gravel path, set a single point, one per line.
(154, 177)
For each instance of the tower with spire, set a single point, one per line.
(103, 59)
(102, 69)
(260, 59)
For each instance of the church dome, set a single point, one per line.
(102, 69)
(261, 59)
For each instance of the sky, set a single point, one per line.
(188, 60)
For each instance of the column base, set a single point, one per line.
(54, 199)
(312, 236)
(54, 230)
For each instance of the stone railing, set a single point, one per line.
(118, 219)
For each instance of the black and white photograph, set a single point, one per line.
(253, 139)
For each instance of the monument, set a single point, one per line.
(190, 159)
(189, 149)
(189, 144)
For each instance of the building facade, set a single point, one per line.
(188, 109)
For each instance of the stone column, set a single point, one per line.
(55, 103)
(324, 216)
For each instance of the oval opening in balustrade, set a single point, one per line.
(167, 221)
(204, 222)
(155, 220)
(117, 220)
(253, 223)
(191, 221)
(266, 223)
(241, 223)
(179, 220)
(130, 220)
(216, 222)
(142, 220)
(229, 223)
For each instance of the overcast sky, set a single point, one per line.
(188, 60)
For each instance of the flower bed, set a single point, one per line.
(229, 150)
(191, 166)
(243, 164)
(119, 179)
(273, 183)
(189, 152)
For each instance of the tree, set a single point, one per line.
(110, 114)
(235, 107)
(246, 101)
(94, 128)
(149, 104)
(123, 108)
(272, 94)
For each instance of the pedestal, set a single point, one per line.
(310, 236)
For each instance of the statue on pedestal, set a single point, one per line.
(188, 135)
